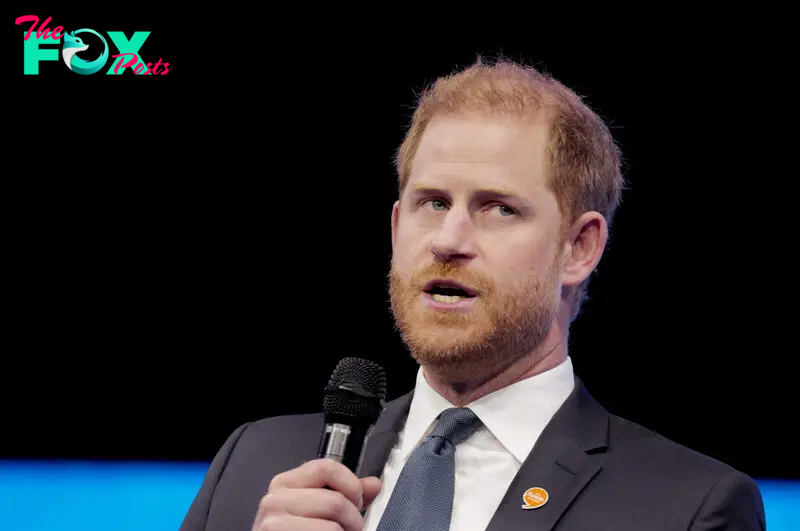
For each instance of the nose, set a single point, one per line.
(453, 240)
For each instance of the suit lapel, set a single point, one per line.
(567, 456)
(384, 436)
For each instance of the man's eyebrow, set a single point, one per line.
(499, 192)
(422, 189)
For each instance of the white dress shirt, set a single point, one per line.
(486, 463)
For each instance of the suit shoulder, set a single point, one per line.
(645, 447)
(272, 430)
(292, 422)
(652, 482)
(242, 470)
(650, 465)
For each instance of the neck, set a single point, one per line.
(548, 355)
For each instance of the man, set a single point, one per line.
(508, 185)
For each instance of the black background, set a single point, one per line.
(185, 253)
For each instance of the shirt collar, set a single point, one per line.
(516, 415)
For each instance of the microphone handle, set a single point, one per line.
(344, 443)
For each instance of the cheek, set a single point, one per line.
(521, 263)
(425, 221)
(411, 240)
(514, 276)
(406, 252)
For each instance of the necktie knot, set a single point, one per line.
(456, 425)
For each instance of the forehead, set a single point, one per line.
(482, 151)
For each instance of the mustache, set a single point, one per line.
(450, 271)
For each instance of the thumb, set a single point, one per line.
(371, 487)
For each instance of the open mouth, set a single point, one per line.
(447, 291)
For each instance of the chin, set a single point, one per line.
(449, 348)
(448, 340)
(448, 330)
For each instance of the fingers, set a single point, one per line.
(370, 488)
(314, 503)
(321, 494)
(322, 473)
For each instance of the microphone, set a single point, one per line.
(354, 398)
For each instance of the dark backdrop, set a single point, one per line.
(194, 251)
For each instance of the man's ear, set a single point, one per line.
(586, 241)
(395, 214)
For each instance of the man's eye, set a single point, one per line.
(437, 204)
(505, 210)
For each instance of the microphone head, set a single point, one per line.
(356, 391)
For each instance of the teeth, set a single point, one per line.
(449, 299)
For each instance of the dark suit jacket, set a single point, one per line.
(602, 473)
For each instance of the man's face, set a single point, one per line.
(476, 213)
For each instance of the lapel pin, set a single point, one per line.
(534, 498)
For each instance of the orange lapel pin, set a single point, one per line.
(534, 498)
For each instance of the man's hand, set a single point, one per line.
(298, 499)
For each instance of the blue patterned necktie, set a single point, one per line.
(422, 499)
